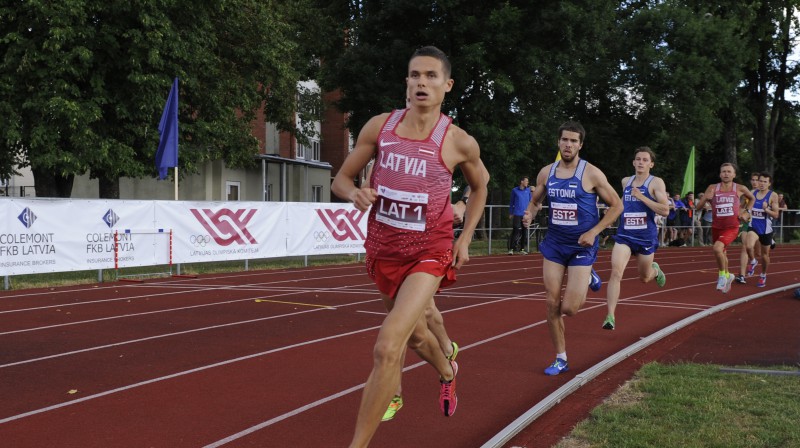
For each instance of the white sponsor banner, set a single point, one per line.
(59, 235)
(49, 235)
(213, 231)
(317, 229)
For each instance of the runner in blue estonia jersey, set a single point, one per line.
(643, 196)
(765, 209)
(572, 186)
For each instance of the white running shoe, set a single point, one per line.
(728, 283)
(721, 282)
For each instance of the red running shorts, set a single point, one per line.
(725, 236)
(388, 275)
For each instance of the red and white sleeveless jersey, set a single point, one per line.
(725, 208)
(412, 215)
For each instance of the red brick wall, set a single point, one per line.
(259, 129)
(335, 137)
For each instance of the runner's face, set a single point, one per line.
(754, 181)
(426, 82)
(569, 144)
(764, 183)
(726, 173)
(642, 163)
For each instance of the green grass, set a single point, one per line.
(692, 405)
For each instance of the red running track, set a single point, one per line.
(279, 358)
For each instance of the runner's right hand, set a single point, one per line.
(363, 198)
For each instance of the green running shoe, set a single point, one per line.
(452, 357)
(661, 279)
(395, 405)
(608, 324)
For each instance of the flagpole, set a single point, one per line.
(176, 183)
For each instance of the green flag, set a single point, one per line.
(688, 177)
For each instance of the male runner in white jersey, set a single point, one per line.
(409, 240)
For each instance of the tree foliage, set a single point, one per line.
(666, 74)
(84, 83)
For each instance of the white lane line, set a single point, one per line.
(210, 366)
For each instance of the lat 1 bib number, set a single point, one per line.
(401, 209)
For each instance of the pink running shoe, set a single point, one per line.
(447, 394)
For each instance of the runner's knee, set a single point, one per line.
(569, 309)
(387, 353)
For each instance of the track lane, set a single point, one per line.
(493, 359)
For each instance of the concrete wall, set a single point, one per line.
(19, 186)
(211, 184)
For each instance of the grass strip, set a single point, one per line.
(695, 405)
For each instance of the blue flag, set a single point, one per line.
(167, 154)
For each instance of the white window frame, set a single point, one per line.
(233, 183)
(316, 193)
(315, 150)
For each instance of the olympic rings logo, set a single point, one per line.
(321, 236)
(200, 240)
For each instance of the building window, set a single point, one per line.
(301, 150)
(316, 193)
(232, 188)
(269, 192)
(315, 154)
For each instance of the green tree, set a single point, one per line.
(666, 74)
(505, 59)
(772, 34)
(84, 83)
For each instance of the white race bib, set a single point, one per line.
(634, 220)
(564, 214)
(724, 210)
(401, 209)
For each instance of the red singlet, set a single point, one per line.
(412, 216)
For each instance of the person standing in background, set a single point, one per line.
(693, 219)
(705, 220)
(782, 218)
(520, 198)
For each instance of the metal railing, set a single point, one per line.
(15, 191)
(496, 228)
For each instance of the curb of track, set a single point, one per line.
(581, 379)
